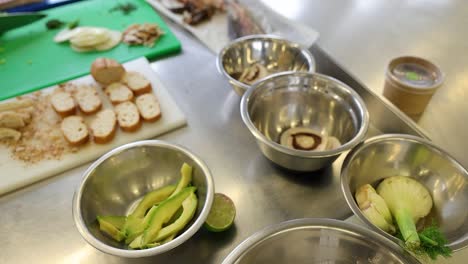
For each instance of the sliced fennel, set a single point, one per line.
(374, 208)
(409, 201)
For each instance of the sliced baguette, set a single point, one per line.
(63, 103)
(104, 126)
(128, 116)
(137, 82)
(75, 130)
(106, 71)
(118, 93)
(148, 106)
(88, 99)
(10, 119)
(16, 104)
(9, 133)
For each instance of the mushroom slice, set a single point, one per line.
(253, 73)
(333, 143)
(303, 138)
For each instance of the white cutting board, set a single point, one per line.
(15, 174)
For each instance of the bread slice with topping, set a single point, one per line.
(137, 82)
(88, 99)
(63, 103)
(118, 93)
(148, 106)
(128, 116)
(75, 130)
(106, 71)
(103, 127)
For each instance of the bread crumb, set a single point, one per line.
(42, 138)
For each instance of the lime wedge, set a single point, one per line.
(222, 213)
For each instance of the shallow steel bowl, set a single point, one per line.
(118, 180)
(276, 54)
(390, 155)
(312, 100)
(317, 241)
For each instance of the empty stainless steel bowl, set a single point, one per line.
(390, 155)
(116, 182)
(310, 100)
(317, 241)
(276, 54)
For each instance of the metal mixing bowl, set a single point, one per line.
(317, 241)
(389, 155)
(276, 54)
(118, 180)
(312, 100)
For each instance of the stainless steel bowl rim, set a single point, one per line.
(360, 135)
(79, 222)
(350, 198)
(261, 235)
(219, 60)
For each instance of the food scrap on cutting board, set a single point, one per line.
(195, 12)
(43, 125)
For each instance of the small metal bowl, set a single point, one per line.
(317, 241)
(118, 180)
(276, 54)
(390, 155)
(312, 100)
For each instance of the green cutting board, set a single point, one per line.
(31, 60)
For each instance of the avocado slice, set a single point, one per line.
(166, 234)
(186, 178)
(152, 198)
(111, 225)
(155, 244)
(163, 213)
(189, 208)
(134, 226)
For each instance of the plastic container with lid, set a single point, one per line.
(410, 83)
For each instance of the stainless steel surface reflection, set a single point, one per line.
(317, 241)
(117, 181)
(312, 100)
(390, 155)
(276, 54)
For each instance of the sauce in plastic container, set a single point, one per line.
(410, 83)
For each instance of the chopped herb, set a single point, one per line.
(29, 62)
(73, 24)
(2, 61)
(54, 24)
(2, 49)
(124, 8)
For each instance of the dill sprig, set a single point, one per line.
(433, 243)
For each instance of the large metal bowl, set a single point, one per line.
(276, 54)
(389, 155)
(317, 241)
(118, 180)
(312, 100)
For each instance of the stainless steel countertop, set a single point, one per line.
(365, 35)
(36, 222)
